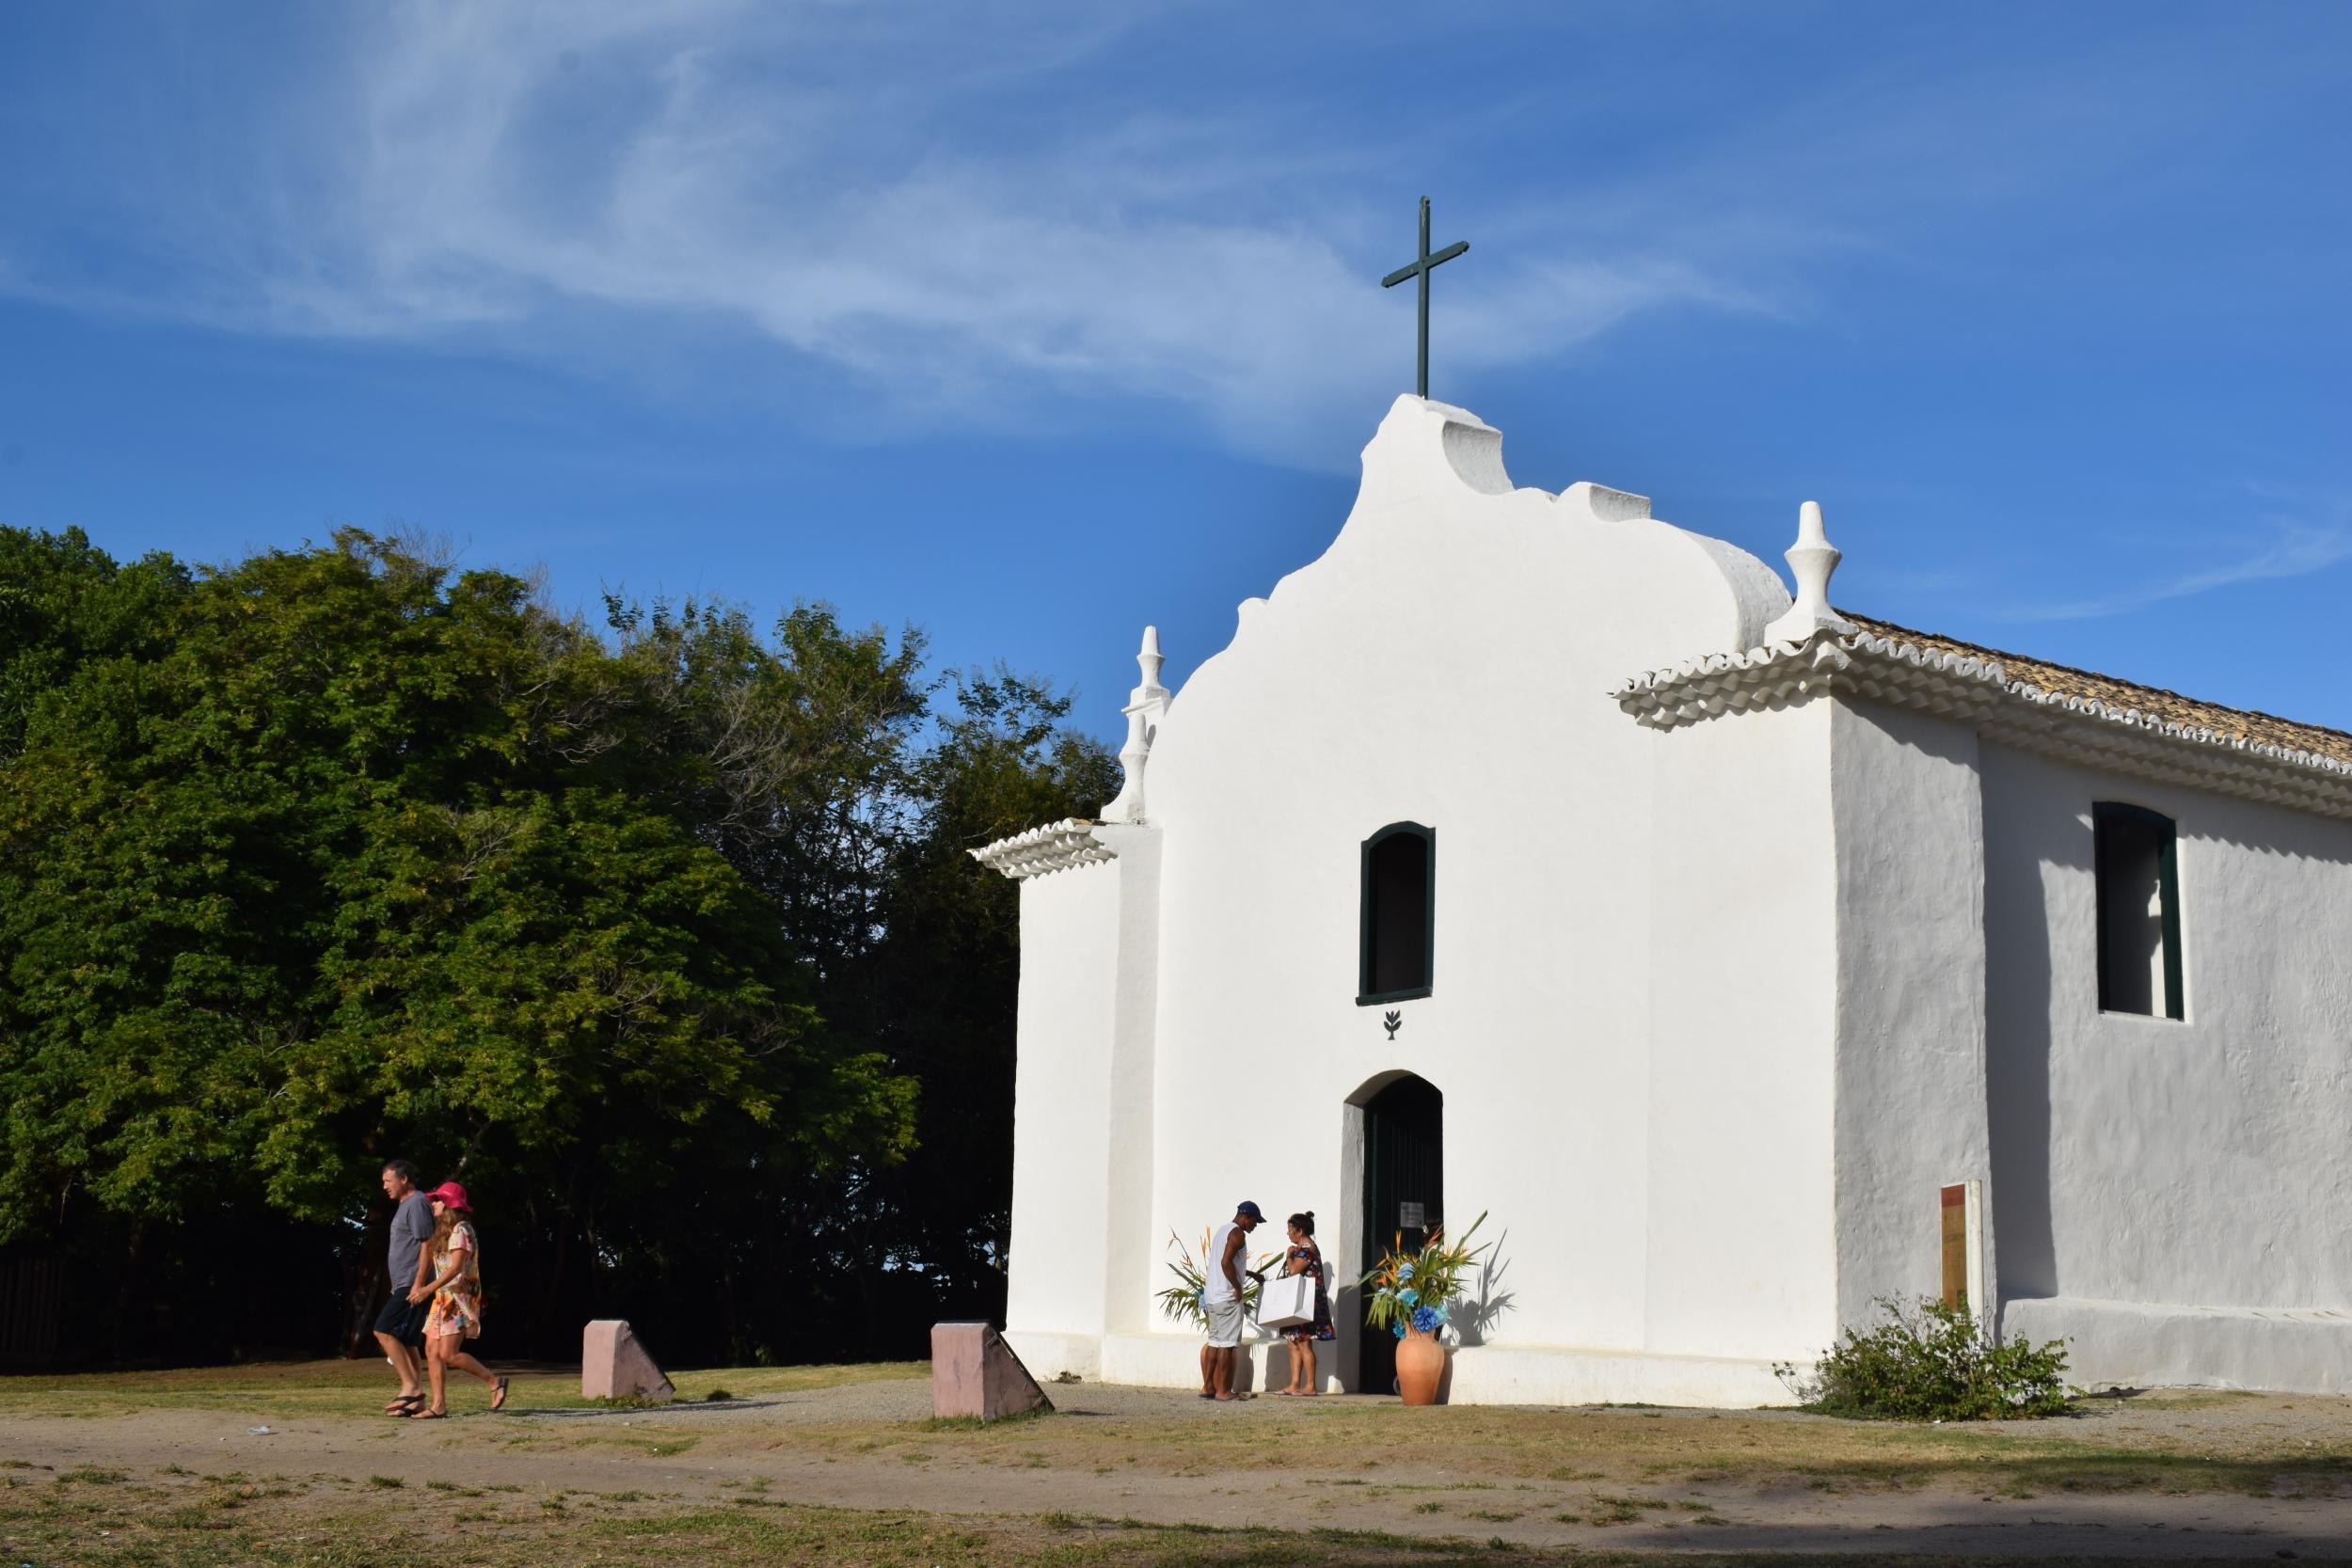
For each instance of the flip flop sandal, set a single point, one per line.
(428, 1415)
(403, 1404)
(498, 1395)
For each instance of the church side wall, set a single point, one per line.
(1062, 1118)
(2173, 1195)
(1911, 996)
(1739, 1236)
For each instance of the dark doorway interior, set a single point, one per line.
(1404, 1179)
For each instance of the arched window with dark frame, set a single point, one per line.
(2138, 869)
(1400, 889)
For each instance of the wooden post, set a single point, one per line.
(1955, 1235)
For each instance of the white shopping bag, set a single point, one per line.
(1287, 1301)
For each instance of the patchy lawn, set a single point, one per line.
(843, 1464)
(232, 1521)
(287, 1389)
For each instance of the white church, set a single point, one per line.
(1743, 959)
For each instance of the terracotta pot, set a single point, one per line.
(1419, 1366)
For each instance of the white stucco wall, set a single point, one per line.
(1061, 1110)
(1082, 1117)
(1911, 997)
(1738, 1212)
(1447, 662)
(2173, 1196)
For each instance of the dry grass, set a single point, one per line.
(1468, 1470)
(229, 1521)
(283, 1390)
(1669, 1449)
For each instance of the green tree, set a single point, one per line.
(850, 788)
(64, 603)
(940, 990)
(668, 944)
(356, 859)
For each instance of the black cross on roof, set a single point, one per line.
(1421, 269)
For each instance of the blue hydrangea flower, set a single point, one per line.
(1408, 1298)
(1426, 1318)
(1397, 1328)
(1404, 1271)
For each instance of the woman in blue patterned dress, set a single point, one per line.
(1303, 1256)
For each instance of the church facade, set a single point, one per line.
(1742, 960)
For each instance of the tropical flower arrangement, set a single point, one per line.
(1185, 1301)
(1416, 1290)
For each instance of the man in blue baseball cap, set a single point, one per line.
(1221, 1299)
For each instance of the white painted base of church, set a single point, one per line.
(1513, 1374)
(1478, 1375)
(1173, 1361)
(2123, 1345)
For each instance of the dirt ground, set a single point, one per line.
(2158, 1477)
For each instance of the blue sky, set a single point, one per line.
(1029, 323)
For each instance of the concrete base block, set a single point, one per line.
(2127, 1344)
(613, 1366)
(974, 1372)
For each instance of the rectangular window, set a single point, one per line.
(2139, 910)
(1399, 901)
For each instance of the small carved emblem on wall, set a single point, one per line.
(1392, 1020)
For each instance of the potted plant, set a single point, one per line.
(1411, 1294)
(1183, 1301)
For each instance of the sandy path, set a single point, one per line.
(602, 1452)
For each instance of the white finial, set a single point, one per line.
(1145, 706)
(1811, 560)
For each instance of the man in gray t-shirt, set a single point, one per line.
(408, 1264)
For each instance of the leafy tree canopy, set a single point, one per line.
(669, 937)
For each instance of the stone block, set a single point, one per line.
(974, 1372)
(613, 1366)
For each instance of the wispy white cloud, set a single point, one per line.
(2291, 547)
(945, 213)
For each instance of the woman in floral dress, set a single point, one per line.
(1304, 1256)
(455, 1316)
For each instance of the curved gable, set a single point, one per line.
(1452, 609)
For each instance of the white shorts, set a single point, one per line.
(1224, 1324)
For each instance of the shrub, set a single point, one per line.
(1934, 1363)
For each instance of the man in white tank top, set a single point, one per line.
(1221, 1299)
